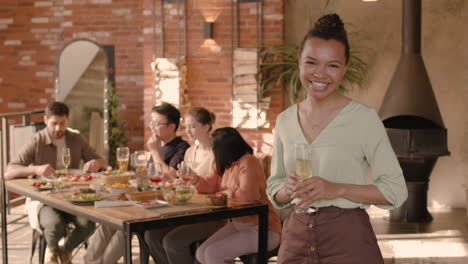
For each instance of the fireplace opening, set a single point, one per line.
(410, 122)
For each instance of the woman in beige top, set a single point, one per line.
(199, 156)
(172, 244)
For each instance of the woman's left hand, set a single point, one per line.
(314, 189)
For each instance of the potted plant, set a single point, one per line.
(117, 136)
(279, 65)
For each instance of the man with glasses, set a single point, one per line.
(107, 244)
(165, 146)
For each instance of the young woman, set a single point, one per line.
(172, 245)
(348, 138)
(240, 176)
(198, 124)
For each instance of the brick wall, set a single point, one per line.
(209, 64)
(33, 32)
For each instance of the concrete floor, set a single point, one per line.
(443, 241)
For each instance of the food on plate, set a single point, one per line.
(43, 185)
(63, 172)
(87, 190)
(80, 197)
(218, 199)
(75, 178)
(49, 185)
(119, 185)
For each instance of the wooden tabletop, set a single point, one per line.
(114, 216)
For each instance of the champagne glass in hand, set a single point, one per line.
(303, 167)
(66, 157)
(122, 154)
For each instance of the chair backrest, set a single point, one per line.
(19, 134)
(265, 160)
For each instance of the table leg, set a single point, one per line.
(263, 236)
(4, 222)
(128, 244)
(144, 249)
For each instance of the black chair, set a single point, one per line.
(253, 258)
(37, 235)
(144, 254)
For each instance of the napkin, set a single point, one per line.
(100, 204)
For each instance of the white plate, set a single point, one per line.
(151, 204)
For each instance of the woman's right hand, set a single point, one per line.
(288, 188)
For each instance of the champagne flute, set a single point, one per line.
(66, 157)
(303, 167)
(122, 154)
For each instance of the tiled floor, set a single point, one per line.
(443, 241)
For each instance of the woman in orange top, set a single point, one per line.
(242, 180)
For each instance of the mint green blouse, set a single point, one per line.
(342, 153)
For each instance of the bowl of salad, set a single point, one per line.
(178, 194)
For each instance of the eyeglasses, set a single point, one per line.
(154, 124)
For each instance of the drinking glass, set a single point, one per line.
(123, 154)
(155, 173)
(303, 167)
(66, 157)
(140, 160)
(184, 171)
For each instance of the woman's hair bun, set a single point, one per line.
(329, 27)
(330, 24)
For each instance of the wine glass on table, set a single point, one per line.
(123, 154)
(155, 173)
(184, 172)
(303, 167)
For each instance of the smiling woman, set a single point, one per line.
(81, 83)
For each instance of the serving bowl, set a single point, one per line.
(119, 190)
(178, 194)
(217, 199)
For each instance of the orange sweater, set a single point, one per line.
(244, 181)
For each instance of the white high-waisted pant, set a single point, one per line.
(233, 240)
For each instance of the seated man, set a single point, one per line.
(165, 146)
(41, 157)
(106, 245)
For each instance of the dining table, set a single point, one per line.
(132, 219)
